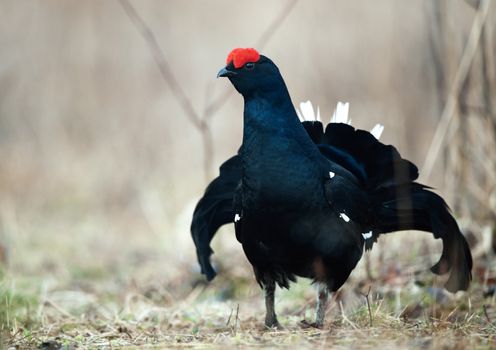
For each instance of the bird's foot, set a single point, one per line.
(306, 324)
(273, 323)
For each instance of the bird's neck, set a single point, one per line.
(271, 123)
(278, 156)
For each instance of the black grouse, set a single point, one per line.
(307, 201)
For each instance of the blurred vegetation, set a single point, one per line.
(101, 165)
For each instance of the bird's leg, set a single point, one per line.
(322, 296)
(270, 316)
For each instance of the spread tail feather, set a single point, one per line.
(414, 207)
(401, 203)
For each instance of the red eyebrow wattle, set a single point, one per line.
(239, 57)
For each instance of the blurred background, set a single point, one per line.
(112, 121)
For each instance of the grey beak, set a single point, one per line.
(225, 73)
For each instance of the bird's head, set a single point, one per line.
(251, 72)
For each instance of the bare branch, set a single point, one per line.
(260, 44)
(166, 73)
(162, 63)
(452, 101)
(200, 123)
(436, 43)
(274, 25)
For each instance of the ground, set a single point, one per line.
(92, 297)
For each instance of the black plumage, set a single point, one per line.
(307, 201)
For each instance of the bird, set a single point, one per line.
(307, 200)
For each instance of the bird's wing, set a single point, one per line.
(213, 210)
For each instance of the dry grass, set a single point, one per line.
(135, 302)
(96, 321)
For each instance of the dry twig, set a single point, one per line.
(201, 123)
(368, 305)
(452, 100)
(484, 308)
(236, 320)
